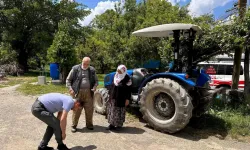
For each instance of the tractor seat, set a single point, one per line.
(137, 77)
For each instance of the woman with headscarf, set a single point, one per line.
(120, 94)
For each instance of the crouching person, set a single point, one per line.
(44, 108)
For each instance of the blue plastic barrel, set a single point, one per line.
(54, 71)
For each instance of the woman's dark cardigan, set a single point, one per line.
(121, 93)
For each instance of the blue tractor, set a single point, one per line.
(167, 100)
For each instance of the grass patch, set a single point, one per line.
(100, 86)
(2, 86)
(34, 89)
(224, 120)
(132, 114)
(100, 80)
(101, 77)
(11, 80)
(31, 89)
(237, 121)
(35, 73)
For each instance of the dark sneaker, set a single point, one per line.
(62, 147)
(111, 127)
(118, 127)
(90, 128)
(73, 129)
(45, 148)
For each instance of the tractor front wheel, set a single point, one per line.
(100, 98)
(166, 105)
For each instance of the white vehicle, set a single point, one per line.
(221, 74)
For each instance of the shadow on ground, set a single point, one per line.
(97, 128)
(203, 127)
(198, 128)
(129, 130)
(90, 147)
(136, 113)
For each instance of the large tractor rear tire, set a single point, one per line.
(100, 98)
(166, 105)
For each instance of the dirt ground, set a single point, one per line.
(19, 130)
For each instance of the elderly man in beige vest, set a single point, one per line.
(82, 82)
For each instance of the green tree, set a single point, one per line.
(24, 23)
(113, 34)
(238, 52)
(62, 50)
(97, 47)
(29, 25)
(6, 54)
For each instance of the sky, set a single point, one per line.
(196, 7)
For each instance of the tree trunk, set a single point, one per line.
(246, 75)
(64, 73)
(242, 7)
(23, 60)
(246, 70)
(102, 68)
(238, 52)
(236, 70)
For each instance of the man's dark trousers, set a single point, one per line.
(39, 111)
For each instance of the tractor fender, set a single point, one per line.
(178, 77)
